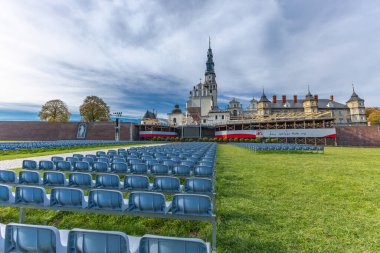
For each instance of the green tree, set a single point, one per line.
(374, 117)
(94, 109)
(54, 111)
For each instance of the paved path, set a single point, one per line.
(17, 163)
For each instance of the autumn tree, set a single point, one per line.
(94, 109)
(54, 111)
(374, 117)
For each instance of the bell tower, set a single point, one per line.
(210, 81)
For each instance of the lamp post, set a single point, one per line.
(117, 125)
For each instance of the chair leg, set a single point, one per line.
(21, 217)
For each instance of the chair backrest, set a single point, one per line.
(6, 194)
(191, 204)
(67, 197)
(152, 162)
(79, 156)
(99, 153)
(91, 156)
(146, 202)
(80, 179)
(134, 161)
(158, 244)
(166, 184)
(107, 181)
(63, 165)
(100, 167)
(118, 160)
(105, 199)
(90, 160)
(90, 241)
(140, 168)
(188, 163)
(119, 167)
(103, 159)
(181, 170)
(30, 195)
(198, 185)
(160, 169)
(46, 165)
(54, 179)
(56, 159)
(206, 163)
(29, 177)
(8, 176)
(133, 182)
(72, 160)
(29, 165)
(203, 171)
(31, 238)
(111, 152)
(82, 166)
(176, 159)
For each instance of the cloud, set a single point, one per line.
(140, 55)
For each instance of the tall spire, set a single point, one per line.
(210, 60)
(263, 97)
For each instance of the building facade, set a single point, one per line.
(202, 106)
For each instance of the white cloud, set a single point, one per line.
(122, 49)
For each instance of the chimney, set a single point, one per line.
(295, 100)
(331, 97)
(283, 99)
(274, 99)
(316, 97)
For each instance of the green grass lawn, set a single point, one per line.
(299, 202)
(5, 155)
(269, 202)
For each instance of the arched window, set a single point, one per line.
(234, 113)
(174, 120)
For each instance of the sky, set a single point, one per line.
(139, 55)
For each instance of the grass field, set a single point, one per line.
(270, 202)
(5, 155)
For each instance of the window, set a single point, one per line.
(234, 113)
(222, 116)
(174, 120)
(204, 121)
(340, 113)
(216, 116)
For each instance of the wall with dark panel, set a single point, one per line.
(367, 136)
(49, 131)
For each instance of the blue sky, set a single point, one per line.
(140, 55)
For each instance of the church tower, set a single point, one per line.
(210, 81)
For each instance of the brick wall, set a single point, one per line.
(358, 136)
(49, 131)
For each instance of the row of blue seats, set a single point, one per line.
(123, 168)
(108, 181)
(111, 200)
(6, 146)
(102, 165)
(132, 159)
(33, 238)
(279, 147)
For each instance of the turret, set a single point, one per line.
(264, 105)
(310, 104)
(357, 108)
